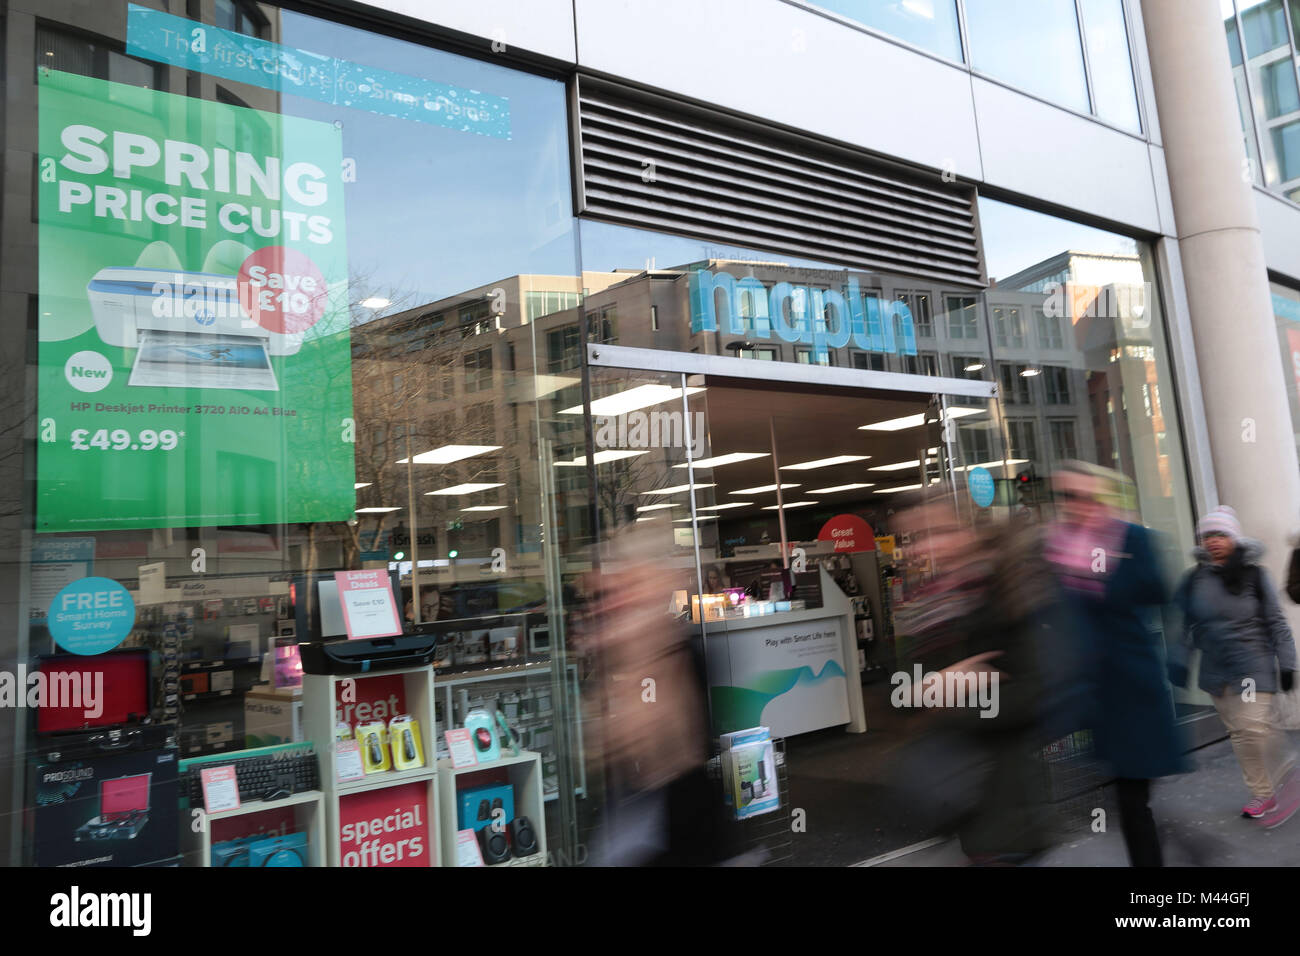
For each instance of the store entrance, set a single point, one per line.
(768, 513)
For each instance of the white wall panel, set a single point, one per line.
(540, 26)
(1039, 150)
(785, 64)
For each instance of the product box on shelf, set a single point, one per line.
(272, 718)
(476, 806)
(113, 810)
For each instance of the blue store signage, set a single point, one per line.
(91, 616)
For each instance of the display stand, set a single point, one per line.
(320, 693)
(308, 811)
(525, 775)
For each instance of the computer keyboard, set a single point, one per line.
(267, 773)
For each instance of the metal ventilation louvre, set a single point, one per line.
(662, 167)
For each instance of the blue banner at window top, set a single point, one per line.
(176, 41)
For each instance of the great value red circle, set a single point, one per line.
(282, 289)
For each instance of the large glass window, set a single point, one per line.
(300, 274)
(1031, 44)
(929, 24)
(1268, 98)
(1110, 65)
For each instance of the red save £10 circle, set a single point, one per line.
(282, 289)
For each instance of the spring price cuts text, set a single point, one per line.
(121, 439)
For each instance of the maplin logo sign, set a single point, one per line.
(821, 318)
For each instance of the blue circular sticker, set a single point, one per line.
(980, 483)
(91, 616)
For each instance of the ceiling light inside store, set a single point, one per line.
(718, 462)
(762, 489)
(730, 504)
(468, 488)
(362, 484)
(901, 465)
(825, 462)
(912, 421)
(993, 464)
(484, 508)
(676, 489)
(375, 511)
(890, 491)
(657, 507)
(697, 518)
(975, 367)
(851, 487)
(793, 504)
(643, 396)
(1031, 372)
(375, 302)
(449, 453)
(601, 458)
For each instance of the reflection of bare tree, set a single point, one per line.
(404, 367)
(619, 485)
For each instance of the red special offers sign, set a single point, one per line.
(849, 532)
(387, 827)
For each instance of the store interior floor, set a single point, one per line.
(842, 782)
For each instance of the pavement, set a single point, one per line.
(1198, 815)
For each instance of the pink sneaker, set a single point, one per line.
(1257, 808)
(1287, 800)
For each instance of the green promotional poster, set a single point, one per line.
(195, 357)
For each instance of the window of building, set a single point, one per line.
(1014, 384)
(930, 24)
(1009, 326)
(1049, 329)
(870, 361)
(806, 357)
(1031, 44)
(922, 363)
(1064, 445)
(478, 370)
(1056, 384)
(763, 354)
(963, 323)
(562, 348)
(1022, 434)
(654, 318)
(918, 303)
(1110, 64)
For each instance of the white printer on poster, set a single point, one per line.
(188, 328)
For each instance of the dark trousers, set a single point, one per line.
(1137, 823)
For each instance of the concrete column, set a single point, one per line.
(1246, 411)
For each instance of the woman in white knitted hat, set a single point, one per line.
(1232, 615)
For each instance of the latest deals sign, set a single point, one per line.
(195, 361)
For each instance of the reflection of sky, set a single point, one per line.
(1015, 238)
(435, 211)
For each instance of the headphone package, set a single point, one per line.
(373, 738)
(408, 749)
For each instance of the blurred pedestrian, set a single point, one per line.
(973, 771)
(1232, 615)
(1114, 586)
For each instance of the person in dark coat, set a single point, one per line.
(1114, 587)
(1232, 615)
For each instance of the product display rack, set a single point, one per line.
(319, 696)
(309, 811)
(525, 774)
(530, 726)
